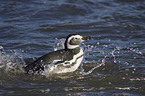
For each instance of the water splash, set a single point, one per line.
(1, 56)
(110, 54)
(59, 44)
(11, 62)
(91, 70)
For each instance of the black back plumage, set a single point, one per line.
(60, 55)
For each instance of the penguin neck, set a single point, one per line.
(75, 48)
(72, 47)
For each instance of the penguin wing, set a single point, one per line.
(55, 58)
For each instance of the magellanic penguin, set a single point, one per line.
(62, 61)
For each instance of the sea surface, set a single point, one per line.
(114, 63)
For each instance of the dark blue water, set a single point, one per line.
(114, 62)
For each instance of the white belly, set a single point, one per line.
(72, 68)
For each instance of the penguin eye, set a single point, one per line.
(76, 38)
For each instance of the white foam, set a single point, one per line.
(11, 63)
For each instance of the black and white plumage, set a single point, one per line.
(64, 60)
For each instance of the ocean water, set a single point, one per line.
(114, 63)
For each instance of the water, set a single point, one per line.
(114, 63)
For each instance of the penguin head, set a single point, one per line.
(74, 40)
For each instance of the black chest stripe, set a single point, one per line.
(68, 65)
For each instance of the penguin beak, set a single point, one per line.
(86, 38)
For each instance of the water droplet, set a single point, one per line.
(132, 66)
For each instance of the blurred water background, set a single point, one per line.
(114, 63)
